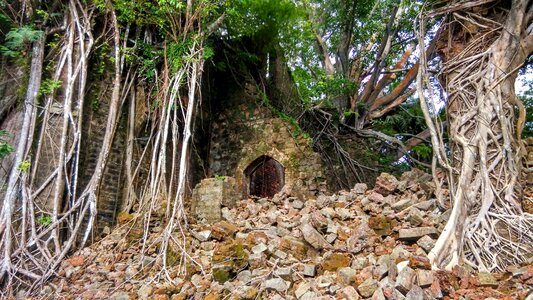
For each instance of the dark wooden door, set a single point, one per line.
(266, 179)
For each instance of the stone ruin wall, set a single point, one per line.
(95, 118)
(241, 135)
(527, 177)
(110, 190)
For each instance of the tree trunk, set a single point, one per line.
(482, 54)
(26, 133)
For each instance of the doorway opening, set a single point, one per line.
(265, 177)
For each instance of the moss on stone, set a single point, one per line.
(221, 275)
(172, 257)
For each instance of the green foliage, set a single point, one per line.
(364, 22)
(177, 53)
(43, 14)
(54, 43)
(148, 58)
(408, 118)
(5, 147)
(95, 105)
(262, 19)
(422, 151)
(17, 39)
(45, 220)
(48, 86)
(209, 52)
(220, 177)
(24, 166)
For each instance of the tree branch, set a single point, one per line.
(324, 52)
(397, 102)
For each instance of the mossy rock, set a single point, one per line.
(381, 225)
(172, 257)
(222, 274)
(335, 261)
(231, 254)
(124, 217)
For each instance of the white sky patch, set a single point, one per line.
(520, 85)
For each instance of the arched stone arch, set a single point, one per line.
(264, 177)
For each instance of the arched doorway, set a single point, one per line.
(265, 177)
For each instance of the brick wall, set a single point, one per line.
(110, 191)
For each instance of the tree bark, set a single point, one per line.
(12, 192)
(487, 228)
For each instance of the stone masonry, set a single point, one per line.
(527, 177)
(243, 134)
(210, 195)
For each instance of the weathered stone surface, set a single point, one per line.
(405, 279)
(382, 267)
(381, 225)
(378, 295)
(259, 248)
(313, 237)
(297, 204)
(346, 275)
(202, 236)
(402, 204)
(376, 197)
(309, 270)
(386, 184)
(244, 276)
(426, 205)
(416, 293)
(309, 296)
(348, 293)
(284, 273)
(419, 262)
(343, 213)
(368, 287)
(296, 247)
(360, 188)
(210, 195)
(223, 230)
(424, 278)
(144, 292)
(486, 279)
(303, 288)
(277, 284)
(280, 254)
(426, 243)
(413, 234)
(335, 261)
(120, 296)
(415, 217)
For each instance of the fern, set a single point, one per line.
(5, 147)
(17, 38)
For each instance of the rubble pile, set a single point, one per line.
(357, 244)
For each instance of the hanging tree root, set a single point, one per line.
(487, 228)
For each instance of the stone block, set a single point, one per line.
(386, 184)
(210, 195)
(424, 278)
(416, 293)
(426, 243)
(405, 279)
(277, 284)
(313, 237)
(368, 287)
(413, 234)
